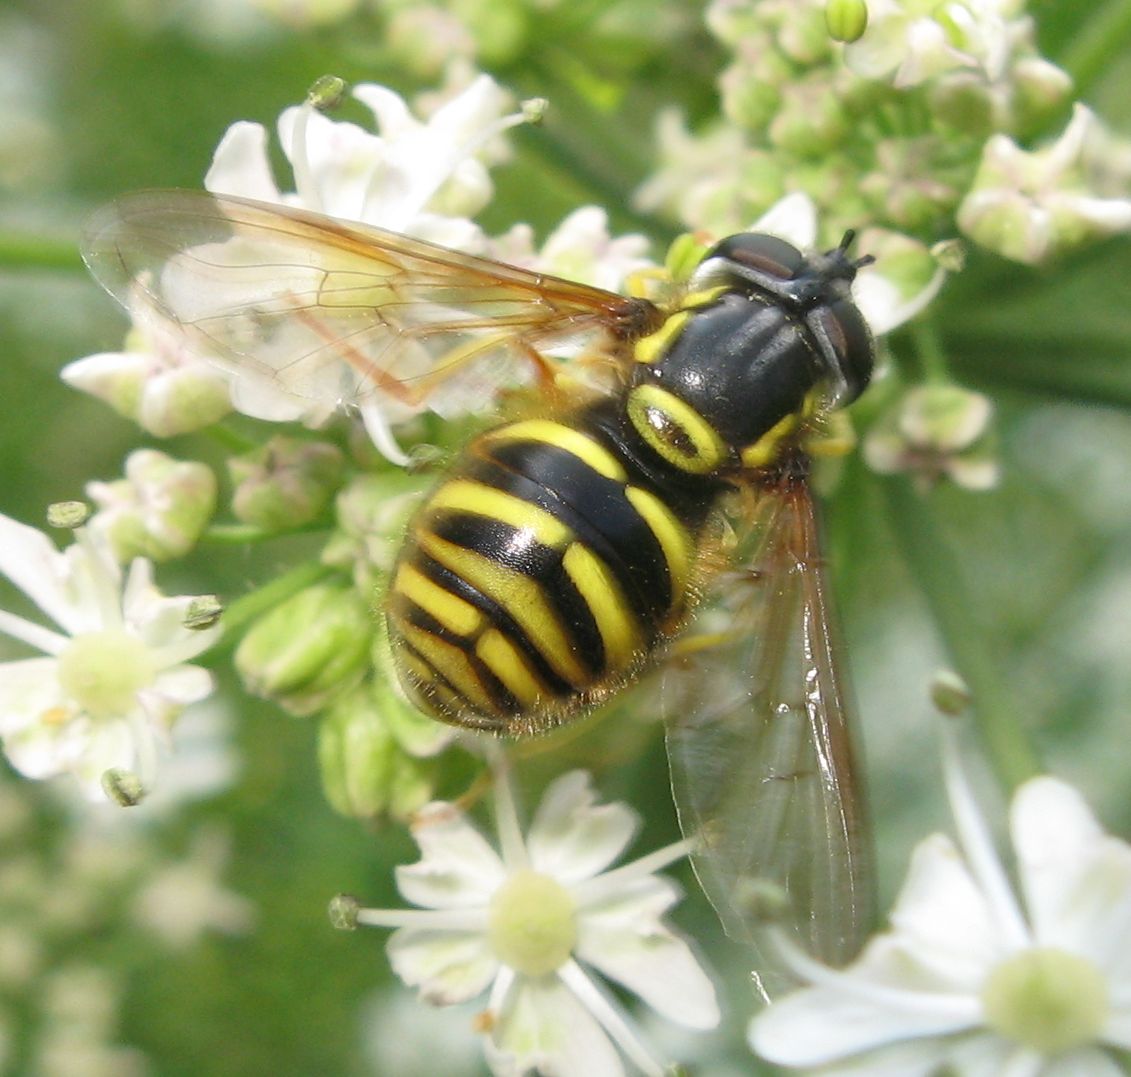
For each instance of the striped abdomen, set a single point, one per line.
(538, 576)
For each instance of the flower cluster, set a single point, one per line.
(972, 978)
(940, 115)
(113, 676)
(527, 922)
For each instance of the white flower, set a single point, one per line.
(111, 682)
(910, 41)
(1030, 205)
(157, 381)
(422, 179)
(579, 249)
(972, 978)
(529, 922)
(419, 178)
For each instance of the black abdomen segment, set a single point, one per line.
(539, 575)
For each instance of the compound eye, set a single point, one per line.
(766, 254)
(847, 340)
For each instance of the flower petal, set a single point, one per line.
(918, 1058)
(240, 165)
(457, 867)
(1076, 879)
(30, 560)
(1087, 1062)
(626, 940)
(573, 838)
(544, 1028)
(792, 218)
(29, 690)
(445, 966)
(943, 926)
(822, 1024)
(182, 685)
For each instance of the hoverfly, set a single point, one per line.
(562, 552)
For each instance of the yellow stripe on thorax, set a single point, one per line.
(765, 449)
(520, 596)
(653, 347)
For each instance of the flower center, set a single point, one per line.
(103, 672)
(532, 926)
(1046, 999)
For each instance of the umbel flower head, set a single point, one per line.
(528, 922)
(111, 680)
(974, 979)
(422, 178)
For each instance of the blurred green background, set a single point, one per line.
(98, 98)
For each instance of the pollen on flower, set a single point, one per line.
(484, 1022)
(55, 716)
(532, 925)
(103, 671)
(1046, 999)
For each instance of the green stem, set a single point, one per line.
(939, 574)
(1102, 38)
(231, 440)
(19, 250)
(251, 606)
(930, 352)
(249, 534)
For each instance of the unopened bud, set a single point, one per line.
(308, 650)
(846, 20)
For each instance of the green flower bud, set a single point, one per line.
(367, 769)
(326, 92)
(936, 431)
(812, 120)
(908, 186)
(286, 483)
(372, 512)
(158, 510)
(183, 400)
(308, 650)
(1040, 88)
(846, 20)
(962, 100)
(748, 100)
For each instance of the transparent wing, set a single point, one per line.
(759, 742)
(336, 313)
